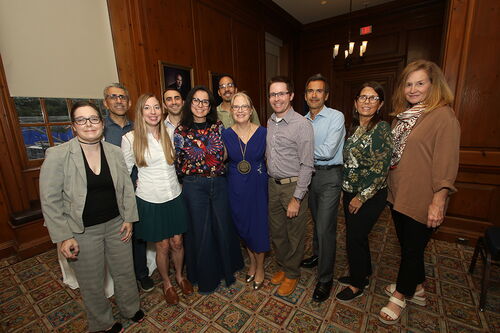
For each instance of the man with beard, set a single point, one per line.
(324, 193)
(227, 88)
(172, 103)
(116, 124)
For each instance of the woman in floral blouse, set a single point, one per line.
(367, 155)
(211, 243)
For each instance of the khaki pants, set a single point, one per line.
(100, 243)
(287, 233)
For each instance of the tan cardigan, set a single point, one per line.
(429, 163)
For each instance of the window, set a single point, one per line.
(45, 122)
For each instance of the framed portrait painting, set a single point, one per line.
(176, 76)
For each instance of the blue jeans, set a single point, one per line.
(212, 246)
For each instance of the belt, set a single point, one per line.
(284, 181)
(327, 167)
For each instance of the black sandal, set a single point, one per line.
(138, 317)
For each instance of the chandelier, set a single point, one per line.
(350, 45)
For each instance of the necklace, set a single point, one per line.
(89, 143)
(244, 166)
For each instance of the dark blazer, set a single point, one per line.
(63, 188)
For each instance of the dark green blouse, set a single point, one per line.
(367, 157)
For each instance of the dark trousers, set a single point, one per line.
(324, 197)
(140, 263)
(138, 245)
(358, 227)
(413, 237)
(287, 234)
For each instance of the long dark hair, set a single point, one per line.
(377, 117)
(187, 119)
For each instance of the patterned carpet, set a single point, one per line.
(33, 298)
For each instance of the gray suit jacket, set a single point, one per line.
(63, 188)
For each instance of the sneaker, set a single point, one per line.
(346, 281)
(347, 295)
(146, 284)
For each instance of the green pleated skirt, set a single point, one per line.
(160, 221)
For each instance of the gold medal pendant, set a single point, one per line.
(244, 167)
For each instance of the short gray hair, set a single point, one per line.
(114, 85)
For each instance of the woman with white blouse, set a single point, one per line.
(162, 213)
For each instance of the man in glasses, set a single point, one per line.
(227, 88)
(324, 194)
(117, 124)
(289, 154)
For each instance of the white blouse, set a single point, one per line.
(157, 181)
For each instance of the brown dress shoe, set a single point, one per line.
(287, 287)
(186, 287)
(171, 296)
(278, 277)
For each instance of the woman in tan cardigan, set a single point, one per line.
(424, 166)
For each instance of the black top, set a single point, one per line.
(100, 204)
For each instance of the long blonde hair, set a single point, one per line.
(141, 135)
(439, 92)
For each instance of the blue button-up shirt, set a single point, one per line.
(329, 135)
(113, 132)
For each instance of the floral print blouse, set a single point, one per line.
(199, 151)
(367, 157)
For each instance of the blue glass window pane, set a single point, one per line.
(57, 110)
(61, 134)
(36, 141)
(28, 109)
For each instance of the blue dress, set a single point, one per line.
(248, 196)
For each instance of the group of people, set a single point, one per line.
(208, 177)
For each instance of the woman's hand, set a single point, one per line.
(435, 212)
(126, 231)
(69, 248)
(355, 205)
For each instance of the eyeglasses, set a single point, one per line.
(317, 91)
(244, 107)
(197, 101)
(82, 120)
(115, 97)
(227, 85)
(278, 94)
(370, 99)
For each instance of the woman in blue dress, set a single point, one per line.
(247, 176)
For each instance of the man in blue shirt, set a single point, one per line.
(324, 193)
(117, 101)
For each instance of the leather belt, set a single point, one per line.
(284, 181)
(327, 167)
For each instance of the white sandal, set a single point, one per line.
(418, 298)
(394, 317)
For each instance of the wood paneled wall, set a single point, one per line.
(403, 31)
(471, 67)
(207, 35)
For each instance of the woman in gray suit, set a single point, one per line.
(89, 206)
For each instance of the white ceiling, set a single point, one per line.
(307, 11)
